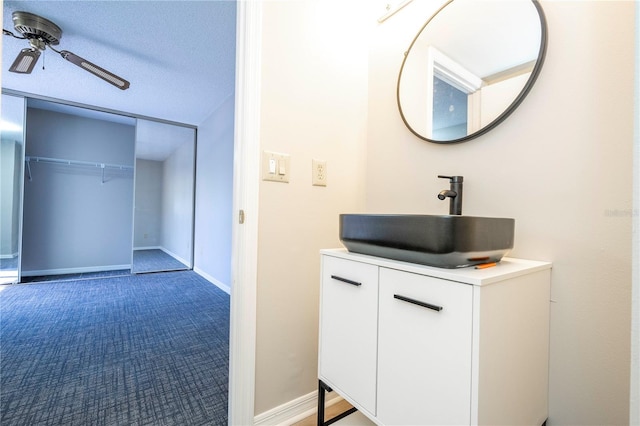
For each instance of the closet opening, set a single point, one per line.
(104, 194)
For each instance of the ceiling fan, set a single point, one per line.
(42, 33)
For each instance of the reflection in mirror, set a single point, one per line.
(164, 197)
(11, 170)
(450, 118)
(469, 67)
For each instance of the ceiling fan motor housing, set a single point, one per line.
(36, 27)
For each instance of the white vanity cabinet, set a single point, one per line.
(409, 344)
(424, 322)
(350, 343)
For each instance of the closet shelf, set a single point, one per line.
(28, 159)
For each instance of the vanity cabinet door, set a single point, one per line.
(424, 356)
(348, 329)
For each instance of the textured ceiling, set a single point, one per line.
(179, 56)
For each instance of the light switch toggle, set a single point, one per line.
(275, 166)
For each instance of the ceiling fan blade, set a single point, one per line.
(94, 69)
(25, 61)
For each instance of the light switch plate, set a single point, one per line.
(275, 166)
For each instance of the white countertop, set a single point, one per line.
(505, 269)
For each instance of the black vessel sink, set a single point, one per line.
(445, 241)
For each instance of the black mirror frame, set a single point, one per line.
(512, 107)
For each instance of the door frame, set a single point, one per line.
(242, 343)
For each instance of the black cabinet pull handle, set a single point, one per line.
(417, 302)
(344, 280)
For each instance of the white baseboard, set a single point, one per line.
(63, 271)
(294, 411)
(175, 256)
(217, 283)
(148, 248)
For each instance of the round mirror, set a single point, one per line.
(470, 66)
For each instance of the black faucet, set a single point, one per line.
(454, 193)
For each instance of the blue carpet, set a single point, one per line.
(8, 263)
(133, 350)
(151, 260)
(75, 277)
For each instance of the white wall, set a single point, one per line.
(314, 93)
(561, 165)
(214, 196)
(495, 96)
(72, 221)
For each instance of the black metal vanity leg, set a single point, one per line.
(320, 403)
(322, 388)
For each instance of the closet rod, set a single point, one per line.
(28, 159)
(103, 166)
